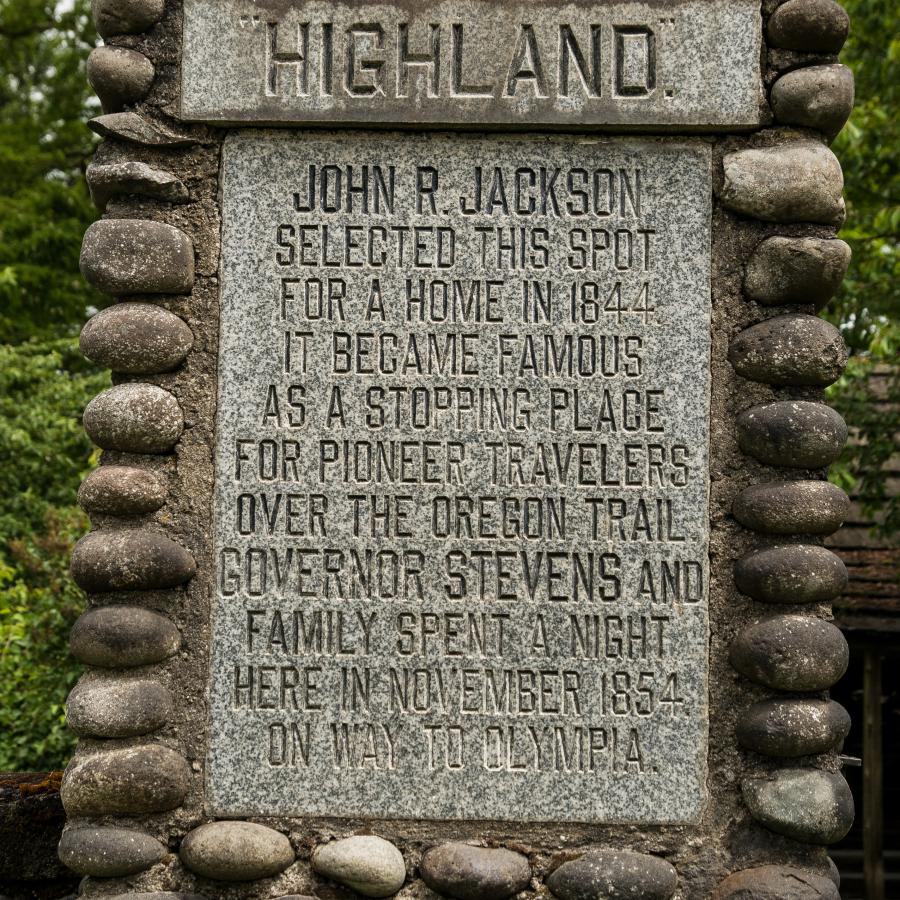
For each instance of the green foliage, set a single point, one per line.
(44, 150)
(44, 453)
(868, 307)
(44, 382)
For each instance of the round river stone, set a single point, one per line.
(367, 864)
(121, 491)
(134, 418)
(791, 653)
(118, 708)
(775, 883)
(614, 875)
(119, 76)
(236, 851)
(792, 433)
(795, 350)
(790, 727)
(819, 97)
(126, 782)
(122, 636)
(109, 852)
(811, 26)
(796, 270)
(794, 573)
(136, 339)
(808, 805)
(792, 507)
(126, 16)
(474, 873)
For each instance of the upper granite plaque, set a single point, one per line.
(660, 64)
(461, 478)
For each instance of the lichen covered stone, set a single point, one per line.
(120, 77)
(792, 507)
(108, 180)
(475, 873)
(793, 727)
(797, 182)
(137, 256)
(118, 708)
(134, 418)
(136, 339)
(236, 851)
(112, 17)
(114, 637)
(132, 781)
(791, 573)
(791, 653)
(792, 433)
(785, 270)
(819, 97)
(808, 805)
(793, 350)
(133, 559)
(811, 26)
(121, 491)
(775, 883)
(367, 864)
(107, 852)
(614, 875)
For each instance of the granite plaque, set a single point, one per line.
(660, 64)
(461, 498)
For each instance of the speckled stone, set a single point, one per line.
(122, 491)
(808, 805)
(118, 708)
(136, 339)
(812, 26)
(614, 875)
(792, 573)
(791, 728)
(120, 77)
(130, 560)
(792, 507)
(791, 653)
(792, 433)
(132, 781)
(819, 97)
(794, 350)
(135, 129)
(260, 176)
(236, 851)
(775, 883)
(797, 182)
(137, 256)
(474, 873)
(368, 864)
(109, 852)
(115, 637)
(796, 270)
(134, 418)
(716, 52)
(108, 180)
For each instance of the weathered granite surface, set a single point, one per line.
(676, 64)
(432, 522)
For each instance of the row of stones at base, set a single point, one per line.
(373, 867)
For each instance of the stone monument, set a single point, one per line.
(458, 528)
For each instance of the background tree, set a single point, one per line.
(868, 307)
(44, 382)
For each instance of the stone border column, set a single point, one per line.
(134, 791)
